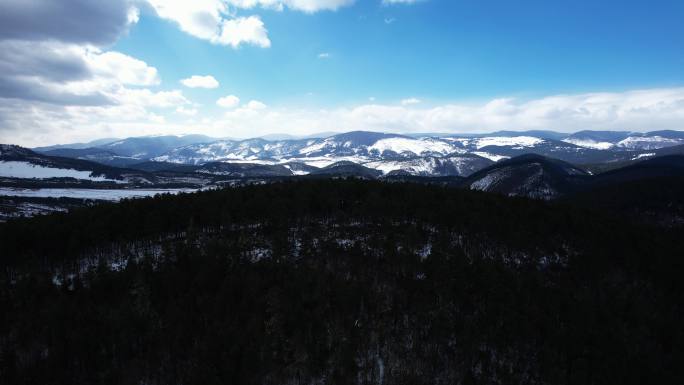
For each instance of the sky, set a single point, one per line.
(78, 70)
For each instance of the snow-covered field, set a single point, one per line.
(82, 193)
(588, 143)
(413, 146)
(13, 169)
(647, 142)
(515, 141)
(492, 157)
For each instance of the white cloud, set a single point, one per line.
(230, 101)
(638, 110)
(235, 32)
(127, 69)
(147, 98)
(68, 74)
(255, 105)
(410, 101)
(324, 55)
(216, 20)
(199, 18)
(57, 81)
(85, 22)
(186, 111)
(308, 6)
(197, 81)
(211, 20)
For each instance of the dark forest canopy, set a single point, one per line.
(338, 282)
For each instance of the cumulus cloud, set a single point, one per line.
(197, 81)
(308, 6)
(216, 20)
(210, 20)
(57, 78)
(638, 110)
(93, 22)
(199, 18)
(410, 101)
(67, 74)
(250, 30)
(126, 69)
(255, 105)
(186, 111)
(230, 101)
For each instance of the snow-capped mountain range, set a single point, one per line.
(424, 155)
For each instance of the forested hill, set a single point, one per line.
(339, 282)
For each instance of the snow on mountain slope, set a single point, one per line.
(531, 176)
(146, 147)
(432, 166)
(397, 153)
(516, 142)
(17, 169)
(492, 157)
(588, 143)
(411, 146)
(648, 142)
(487, 182)
(530, 181)
(325, 161)
(623, 140)
(314, 146)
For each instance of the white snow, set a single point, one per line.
(324, 161)
(641, 156)
(296, 172)
(462, 141)
(410, 145)
(82, 193)
(588, 143)
(414, 167)
(486, 182)
(15, 169)
(648, 142)
(312, 147)
(517, 141)
(492, 157)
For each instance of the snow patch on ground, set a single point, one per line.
(647, 142)
(410, 145)
(518, 141)
(485, 183)
(588, 143)
(296, 172)
(325, 161)
(414, 167)
(641, 156)
(15, 169)
(492, 157)
(81, 193)
(312, 147)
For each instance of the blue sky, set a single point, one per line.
(434, 49)
(80, 69)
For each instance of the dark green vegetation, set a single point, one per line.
(15, 207)
(341, 282)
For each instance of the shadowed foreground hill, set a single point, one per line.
(339, 282)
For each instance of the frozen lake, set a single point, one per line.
(82, 193)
